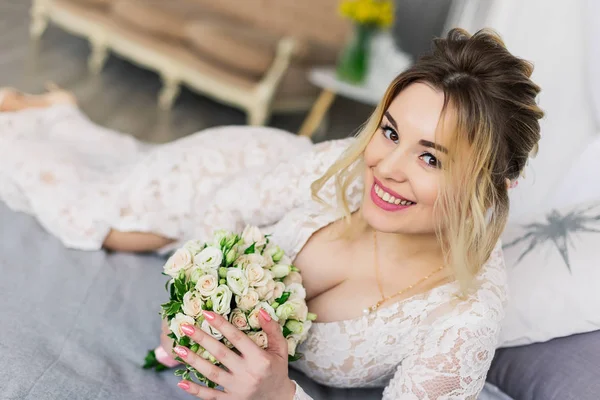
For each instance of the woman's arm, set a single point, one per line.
(451, 364)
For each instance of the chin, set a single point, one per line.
(408, 221)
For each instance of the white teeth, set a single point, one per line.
(385, 196)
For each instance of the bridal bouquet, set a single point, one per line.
(235, 276)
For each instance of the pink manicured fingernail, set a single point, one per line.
(181, 352)
(184, 385)
(188, 329)
(265, 315)
(209, 315)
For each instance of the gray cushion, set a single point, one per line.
(77, 325)
(561, 369)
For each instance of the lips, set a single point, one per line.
(387, 199)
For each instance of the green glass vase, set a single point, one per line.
(353, 63)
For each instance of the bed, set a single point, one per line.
(77, 325)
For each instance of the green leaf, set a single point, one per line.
(286, 331)
(295, 357)
(195, 347)
(284, 297)
(184, 341)
(180, 372)
(172, 291)
(211, 384)
(250, 249)
(199, 376)
(150, 361)
(172, 336)
(186, 376)
(180, 287)
(171, 308)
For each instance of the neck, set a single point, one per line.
(401, 247)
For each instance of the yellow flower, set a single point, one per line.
(368, 12)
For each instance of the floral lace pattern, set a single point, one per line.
(80, 180)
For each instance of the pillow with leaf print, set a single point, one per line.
(553, 268)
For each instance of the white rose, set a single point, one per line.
(180, 260)
(293, 277)
(252, 234)
(248, 301)
(254, 273)
(221, 300)
(209, 258)
(274, 252)
(246, 260)
(207, 283)
(206, 327)
(285, 311)
(239, 320)
(194, 246)
(266, 278)
(300, 309)
(266, 292)
(281, 271)
(296, 290)
(253, 317)
(180, 319)
(192, 304)
(237, 281)
(277, 291)
(260, 338)
(307, 325)
(292, 342)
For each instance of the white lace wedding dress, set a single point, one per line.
(80, 180)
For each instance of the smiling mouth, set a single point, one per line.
(388, 198)
(387, 201)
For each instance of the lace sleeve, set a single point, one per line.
(264, 195)
(450, 364)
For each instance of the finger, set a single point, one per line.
(200, 391)
(205, 367)
(275, 339)
(226, 356)
(239, 340)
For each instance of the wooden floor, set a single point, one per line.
(123, 96)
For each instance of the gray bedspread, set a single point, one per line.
(77, 325)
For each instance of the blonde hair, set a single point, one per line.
(491, 92)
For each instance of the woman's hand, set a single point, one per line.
(255, 374)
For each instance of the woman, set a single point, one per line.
(395, 231)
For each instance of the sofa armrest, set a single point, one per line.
(270, 81)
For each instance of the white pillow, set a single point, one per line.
(553, 266)
(582, 182)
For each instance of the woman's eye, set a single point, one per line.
(431, 160)
(390, 134)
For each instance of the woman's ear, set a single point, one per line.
(511, 185)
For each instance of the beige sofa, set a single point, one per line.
(251, 54)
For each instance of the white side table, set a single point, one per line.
(325, 78)
(386, 61)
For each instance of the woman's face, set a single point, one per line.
(403, 160)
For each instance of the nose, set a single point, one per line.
(394, 166)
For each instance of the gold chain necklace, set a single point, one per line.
(385, 298)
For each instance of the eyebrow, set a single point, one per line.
(432, 145)
(425, 143)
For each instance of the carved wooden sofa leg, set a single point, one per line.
(169, 92)
(39, 19)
